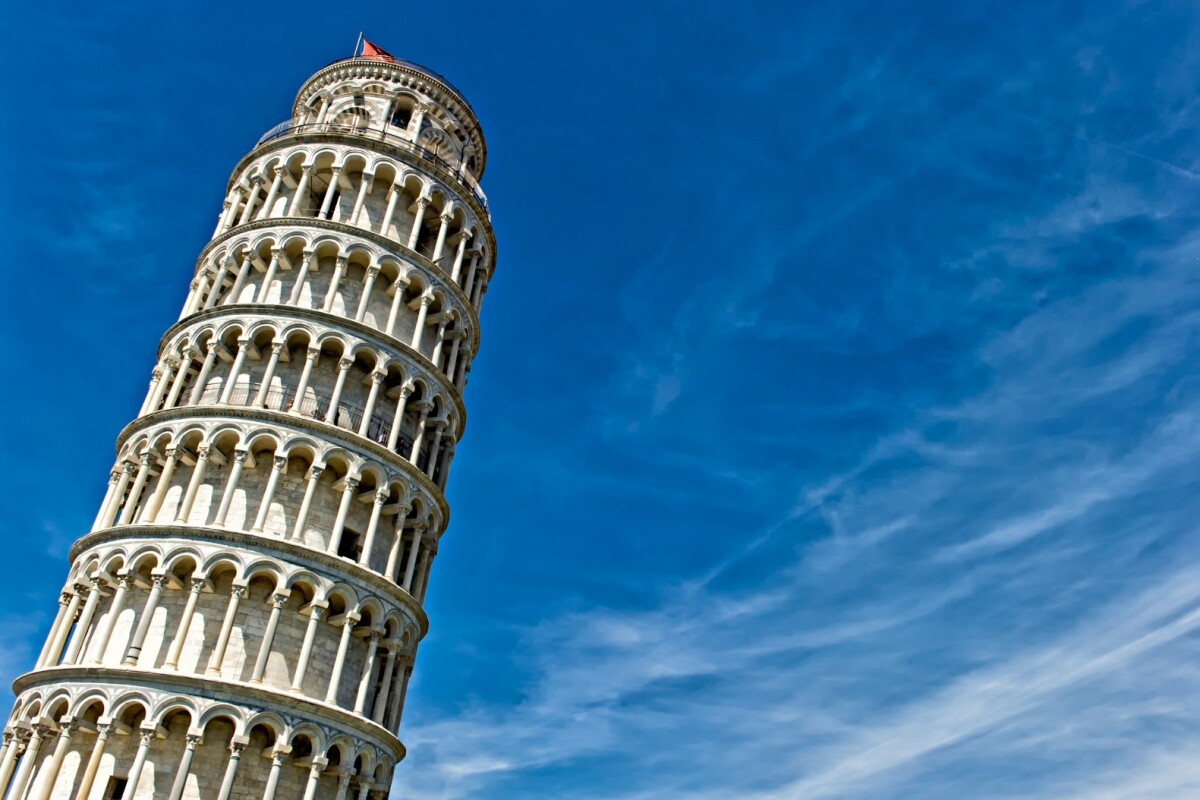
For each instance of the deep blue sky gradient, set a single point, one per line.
(835, 432)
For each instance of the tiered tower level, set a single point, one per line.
(242, 619)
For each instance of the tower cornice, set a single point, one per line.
(334, 322)
(284, 419)
(412, 159)
(395, 248)
(253, 542)
(229, 691)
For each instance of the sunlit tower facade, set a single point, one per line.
(242, 619)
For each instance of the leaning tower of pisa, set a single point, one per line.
(241, 620)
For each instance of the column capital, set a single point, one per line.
(194, 739)
(381, 495)
(280, 598)
(238, 590)
(315, 472)
(373, 271)
(280, 463)
(239, 455)
(341, 261)
(279, 170)
(309, 169)
(198, 585)
(345, 363)
(203, 451)
(352, 484)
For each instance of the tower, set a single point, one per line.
(240, 623)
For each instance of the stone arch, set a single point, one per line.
(174, 703)
(342, 592)
(130, 703)
(315, 736)
(90, 705)
(219, 562)
(232, 714)
(57, 703)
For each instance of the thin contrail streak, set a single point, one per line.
(1176, 170)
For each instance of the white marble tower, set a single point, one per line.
(242, 619)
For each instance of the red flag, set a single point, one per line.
(374, 51)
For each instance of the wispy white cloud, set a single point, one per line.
(993, 596)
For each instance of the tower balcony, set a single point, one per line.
(391, 136)
(348, 417)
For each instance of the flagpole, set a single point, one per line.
(357, 45)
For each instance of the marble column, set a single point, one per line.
(185, 766)
(217, 660)
(278, 600)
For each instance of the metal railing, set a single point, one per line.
(286, 128)
(346, 416)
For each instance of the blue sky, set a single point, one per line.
(836, 428)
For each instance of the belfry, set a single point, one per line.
(241, 621)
